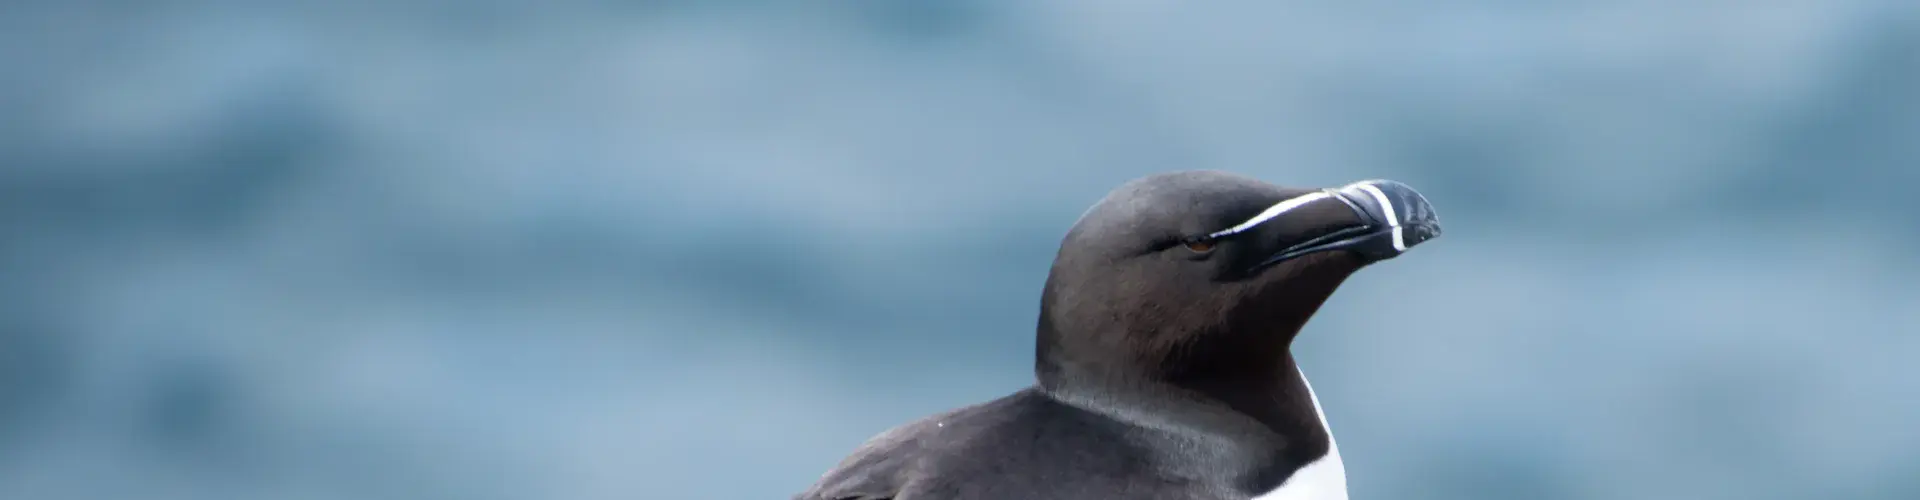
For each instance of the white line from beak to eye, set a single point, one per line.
(1393, 220)
(1274, 211)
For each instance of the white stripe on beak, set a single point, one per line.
(1386, 209)
(1282, 207)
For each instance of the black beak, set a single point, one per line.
(1393, 218)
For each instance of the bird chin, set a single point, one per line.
(1314, 273)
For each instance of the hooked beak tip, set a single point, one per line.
(1401, 216)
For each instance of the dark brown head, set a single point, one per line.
(1204, 277)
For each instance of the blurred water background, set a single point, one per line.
(511, 249)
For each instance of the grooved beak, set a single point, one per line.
(1398, 217)
(1393, 217)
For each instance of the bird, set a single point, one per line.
(1163, 366)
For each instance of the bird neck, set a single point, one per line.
(1262, 391)
(1247, 434)
(1235, 393)
(1243, 367)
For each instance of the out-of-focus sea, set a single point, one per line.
(700, 250)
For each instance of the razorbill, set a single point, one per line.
(1163, 365)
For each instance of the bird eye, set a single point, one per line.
(1199, 244)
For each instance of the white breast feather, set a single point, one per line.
(1323, 479)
